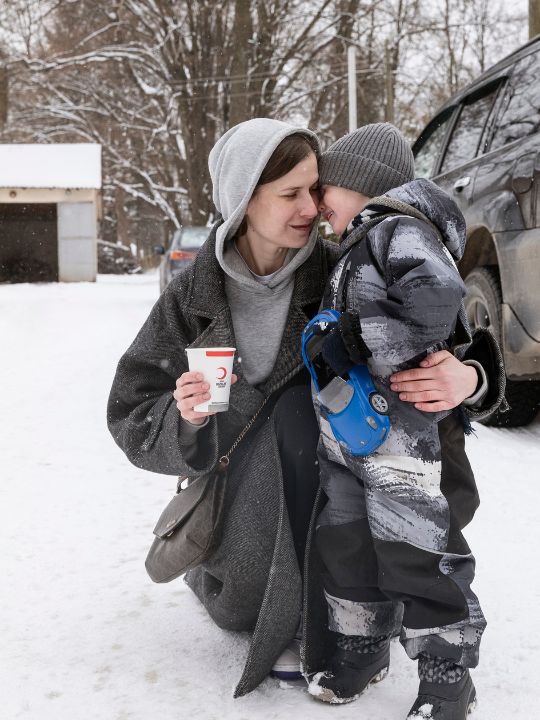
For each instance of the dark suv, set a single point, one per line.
(483, 148)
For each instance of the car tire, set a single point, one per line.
(378, 403)
(483, 306)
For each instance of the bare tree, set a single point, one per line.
(155, 82)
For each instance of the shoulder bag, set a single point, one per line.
(189, 528)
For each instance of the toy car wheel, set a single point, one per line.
(378, 403)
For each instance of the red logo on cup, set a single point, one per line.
(222, 377)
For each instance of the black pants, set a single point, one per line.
(297, 435)
(378, 550)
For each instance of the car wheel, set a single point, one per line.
(483, 307)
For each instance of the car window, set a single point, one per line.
(194, 237)
(466, 136)
(428, 154)
(521, 116)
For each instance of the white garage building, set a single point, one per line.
(50, 203)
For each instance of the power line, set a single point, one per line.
(254, 76)
(249, 93)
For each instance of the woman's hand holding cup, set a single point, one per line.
(191, 390)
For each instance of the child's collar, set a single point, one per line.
(358, 220)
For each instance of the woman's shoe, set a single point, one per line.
(442, 701)
(287, 666)
(349, 675)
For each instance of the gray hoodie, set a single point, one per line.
(258, 305)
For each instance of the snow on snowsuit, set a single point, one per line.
(388, 533)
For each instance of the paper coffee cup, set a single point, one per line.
(215, 364)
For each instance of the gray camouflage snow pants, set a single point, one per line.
(390, 535)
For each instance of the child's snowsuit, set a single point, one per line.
(388, 534)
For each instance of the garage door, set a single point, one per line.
(28, 243)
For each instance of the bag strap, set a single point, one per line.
(224, 459)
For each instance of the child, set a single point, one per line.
(388, 536)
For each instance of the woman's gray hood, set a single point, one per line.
(236, 162)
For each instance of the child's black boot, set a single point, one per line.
(350, 671)
(446, 691)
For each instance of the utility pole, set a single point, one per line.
(389, 82)
(3, 90)
(534, 18)
(242, 47)
(351, 67)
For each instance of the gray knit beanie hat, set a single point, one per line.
(371, 160)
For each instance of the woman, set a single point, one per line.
(254, 285)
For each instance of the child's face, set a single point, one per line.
(340, 205)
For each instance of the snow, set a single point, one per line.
(85, 633)
(54, 165)
(424, 713)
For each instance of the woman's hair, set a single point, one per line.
(290, 151)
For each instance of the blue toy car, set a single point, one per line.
(357, 413)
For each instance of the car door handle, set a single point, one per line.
(461, 183)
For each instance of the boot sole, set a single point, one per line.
(471, 707)
(328, 696)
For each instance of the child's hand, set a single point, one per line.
(441, 382)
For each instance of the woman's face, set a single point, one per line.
(281, 213)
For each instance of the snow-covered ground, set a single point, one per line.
(86, 635)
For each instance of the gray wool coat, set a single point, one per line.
(252, 582)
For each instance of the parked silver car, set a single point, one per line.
(483, 148)
(185, 243)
